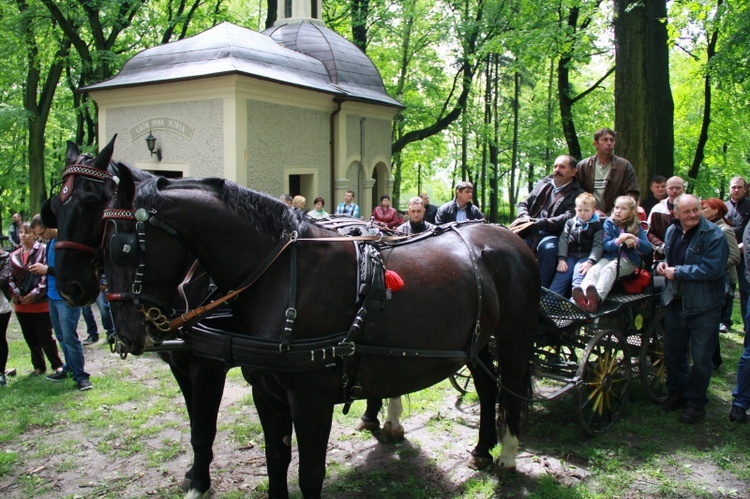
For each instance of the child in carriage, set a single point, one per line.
(622, 229)
(580, 245)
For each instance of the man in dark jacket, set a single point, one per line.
(695, 265)
(430, 210)
(739, 216)
(416, 223)
(460, 208)
(605, 175)
(549, 205)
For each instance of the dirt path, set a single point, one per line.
(431, 462)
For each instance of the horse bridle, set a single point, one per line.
(69, 176)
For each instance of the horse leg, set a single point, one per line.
(392, 429)
(486, 387)
(312, 423)
(369, 420)
(207, 378)
(516, 383)
(276, 419)
(179, 364)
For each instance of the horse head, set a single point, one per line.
(141, 301)
(76, 213)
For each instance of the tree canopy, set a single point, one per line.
(493, 91)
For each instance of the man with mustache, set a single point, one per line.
(542, 216)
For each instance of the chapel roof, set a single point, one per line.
(300, 54)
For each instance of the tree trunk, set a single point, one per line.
(564, 93)
(514, 153)
(644, 110)
(703, 137)
(360, 13)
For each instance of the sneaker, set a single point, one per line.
(738, 414)
(84, 384)
(58, 376)
(592, 296)
(3, 380)
(579, 298)
(93, 338)
(673, 402)
(692, 415)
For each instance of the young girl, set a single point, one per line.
(622, 229)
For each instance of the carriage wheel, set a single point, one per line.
(651, 364)
(605, 381)
(462, 380)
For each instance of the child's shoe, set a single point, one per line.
(579, 298)
(592, 297)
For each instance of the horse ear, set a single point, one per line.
(125, 192)
(105, 155)
(49, 219)
(72, 153)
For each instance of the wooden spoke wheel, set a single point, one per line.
(462, 380)
(653, 370)
(605, 381)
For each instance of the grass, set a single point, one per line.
(648, 453)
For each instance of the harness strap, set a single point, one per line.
(291, 311)
(473, 353)
(74, 246)
(188, 316)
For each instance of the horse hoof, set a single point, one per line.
(506, 469)
(195, 494)
(391, 433)
(372, 426)
(185, 484)
(480, 463)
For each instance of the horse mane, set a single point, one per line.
(262, 211)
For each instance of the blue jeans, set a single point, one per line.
(744, 292)
(546, 256)
(563, 282)
(687, 336)
(65, 324)
(88, 317)
(104, 312)
(741, 392)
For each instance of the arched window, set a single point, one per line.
(314, 9)
(288, 8)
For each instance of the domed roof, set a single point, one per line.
(348, 67)
(231, 49)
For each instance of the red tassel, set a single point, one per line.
(393, 281)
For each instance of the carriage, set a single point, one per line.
(596, 355)
(491, 273)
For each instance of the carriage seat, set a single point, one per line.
(561, 313)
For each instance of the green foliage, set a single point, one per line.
(419, 46)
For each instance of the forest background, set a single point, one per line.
(493, 90)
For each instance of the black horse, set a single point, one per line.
(76, 211)
(77, 214)
(295, 293)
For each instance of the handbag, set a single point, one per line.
(28, 283)
(635, 285)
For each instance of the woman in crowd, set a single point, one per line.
(29, 293)
(298, 205)
(715, 210)
(5, 310)
(318, 212)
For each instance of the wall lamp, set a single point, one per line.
(151, 144)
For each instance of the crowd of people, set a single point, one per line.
(585, 223)
(48, 324)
